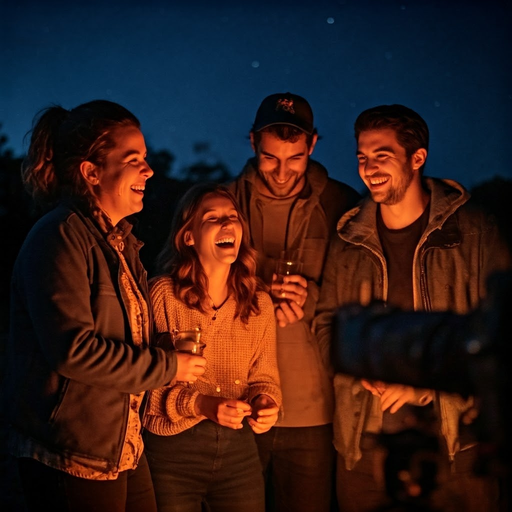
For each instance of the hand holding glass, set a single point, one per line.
(188, 342)
(287, 265)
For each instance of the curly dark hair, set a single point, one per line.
(181, 262)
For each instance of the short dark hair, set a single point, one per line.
(410, 128)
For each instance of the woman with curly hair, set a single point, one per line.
(199, 436)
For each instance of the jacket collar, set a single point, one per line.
(358, 225)
(113, 234)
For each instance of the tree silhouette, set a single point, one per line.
(208, 166)
(16, 217)
(494, 196)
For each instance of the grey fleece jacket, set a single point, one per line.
(459, 249)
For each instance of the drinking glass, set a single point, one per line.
(188, 341)
(287, 265)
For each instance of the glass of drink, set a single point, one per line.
(287, 265)
(188, 341)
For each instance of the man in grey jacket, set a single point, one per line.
(415, 243)
(292, 204)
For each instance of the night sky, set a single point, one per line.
(196, 71)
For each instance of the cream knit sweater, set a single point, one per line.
(241, 358)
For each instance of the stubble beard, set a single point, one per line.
(396, 194)
(281, 193)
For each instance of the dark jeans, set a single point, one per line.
(207, 467)
(298, 463)
(46, 488)
(456, 488)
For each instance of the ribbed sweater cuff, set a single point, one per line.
(181, 403)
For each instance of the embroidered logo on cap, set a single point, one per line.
(286, 105)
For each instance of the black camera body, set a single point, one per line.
(464, 354)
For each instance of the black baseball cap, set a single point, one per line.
(284, 108)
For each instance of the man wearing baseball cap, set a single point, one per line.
(293, 205)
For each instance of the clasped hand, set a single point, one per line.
(393, 396)
(264, 414)
(291, 295)
(230, 412)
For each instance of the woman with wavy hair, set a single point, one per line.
(199, 436)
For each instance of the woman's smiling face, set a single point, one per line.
(216, 232)
(121, 181)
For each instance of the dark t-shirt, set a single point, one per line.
(399, 246)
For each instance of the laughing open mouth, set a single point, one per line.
(226, 242)
(378, 180)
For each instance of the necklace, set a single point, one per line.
(216, 308)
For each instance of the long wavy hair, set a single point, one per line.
(181, 261)
(61, 140)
